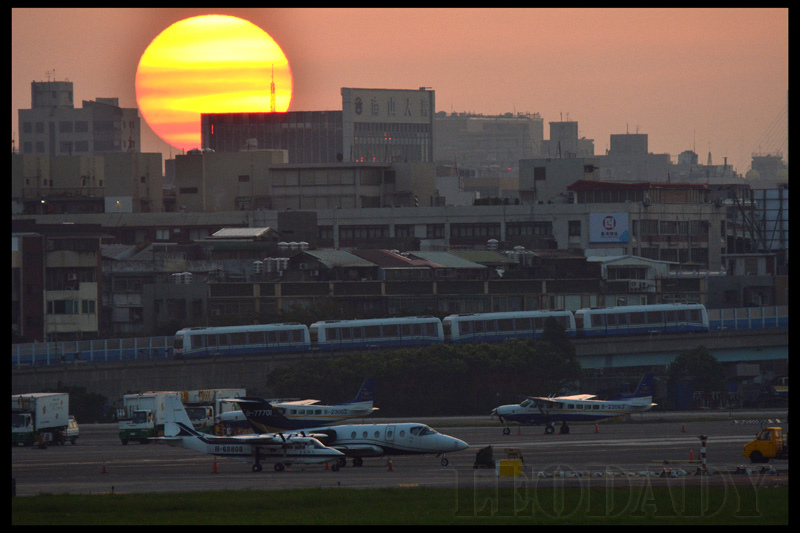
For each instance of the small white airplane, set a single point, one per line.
(277, 449)
(374, 440)
(538, 410)
(299, 414)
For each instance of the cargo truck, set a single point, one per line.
(770, 443)
(204, 407)
(39, 418)
(142, 416)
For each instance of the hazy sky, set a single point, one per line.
(705, 79)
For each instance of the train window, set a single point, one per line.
(283, 336)
(345, 332)
(522, 324)
(406, 330)
(505, 324)
(332, 334)
(637, 318)
(357, 333)
(372, 331)
(197, 341)
(538, 322)
(223, 340)
(239, 338)
(391, 330)
(416, 330)
(694, 315)
(670, 316)
(681, 315)
(477, 326)
(597, 321)
(562, 321)
(211, 340)
(611, 319)
(256, 337)
(272, 337)
(429, 329)
(654, 317)
(490, 326)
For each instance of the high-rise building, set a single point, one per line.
(53, 126)
(374, 126)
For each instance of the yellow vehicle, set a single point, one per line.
(769, 444)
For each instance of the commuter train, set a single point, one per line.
(641, 320)
(497, 327)
(331, 335)
(336, 335)
(242, 340)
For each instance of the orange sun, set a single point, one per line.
(209, 64)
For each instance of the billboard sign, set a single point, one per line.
(608, 227)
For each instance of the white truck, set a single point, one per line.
(204, 407)
(39, 418)
(142, 415)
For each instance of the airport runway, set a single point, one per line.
(99, 463)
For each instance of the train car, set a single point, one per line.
(396, 332)
(641, 320)
(242, 340)
(497, 327)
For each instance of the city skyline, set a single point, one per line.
(708, 80)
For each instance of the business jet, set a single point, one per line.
(538, 410)
(370, 440)
(278, 449)
(300, 414)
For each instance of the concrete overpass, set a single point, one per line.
(112, 380)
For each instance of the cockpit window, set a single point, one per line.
(421, 431)
(526, 403)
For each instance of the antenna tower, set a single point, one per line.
(272, 92)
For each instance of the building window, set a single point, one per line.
(574, 228)
(434, 231)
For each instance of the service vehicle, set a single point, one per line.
(39, 418)
(142, 415)
(770, 443)
(205, 407)
(72, 432)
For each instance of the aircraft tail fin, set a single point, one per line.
(645, 388)
(176, 420)
(643, 391)
(366, 393)
(261, 415)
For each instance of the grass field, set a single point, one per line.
(682, 505)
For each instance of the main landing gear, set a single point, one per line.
(550, 428)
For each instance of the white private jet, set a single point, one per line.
(538, 410)
(278, 449)
(373, 440)
(300, 414)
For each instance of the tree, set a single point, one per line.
(700, 368)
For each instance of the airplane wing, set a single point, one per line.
(359, 450)
(576, 397)
(300, 402)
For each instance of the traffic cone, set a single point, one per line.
(519, 431)
(327, 467)
(215, 471)
(596, 428)
(691, 455)
(104, 471)
(683, 428)
(389, 467)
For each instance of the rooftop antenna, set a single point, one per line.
(272, 91)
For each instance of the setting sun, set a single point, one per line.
(209, 64)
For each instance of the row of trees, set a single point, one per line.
(467, 379)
